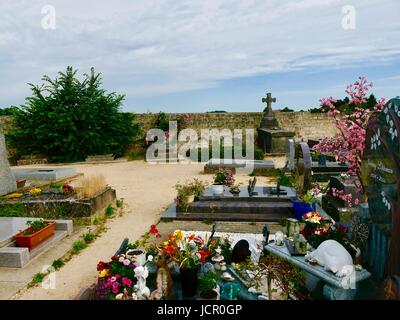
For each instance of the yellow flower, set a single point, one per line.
(14, 195)
(35, 191)
(103, 273)
(178, 234)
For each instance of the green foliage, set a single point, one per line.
(120, 203)
(10, 111)
(286, 109)
(57, 264)
(78, 246)
(109, 211)
(34, 226)
(68, 119)
(161, 122)
(13, 210)
(208, 281)
(88, 237)
(285, 180)
(37, 278)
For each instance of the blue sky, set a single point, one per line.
(195, 56)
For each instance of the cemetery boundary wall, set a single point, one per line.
(306, 125)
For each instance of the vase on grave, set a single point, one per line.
(188, 278)
(300, 208)
(218, 189)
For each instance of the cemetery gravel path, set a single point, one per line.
(147, 189)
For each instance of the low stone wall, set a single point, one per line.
(306, 125)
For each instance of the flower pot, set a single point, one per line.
(139, 256)
(188, 279)
(21, 183)
(300, 208)
(217, 189)
(33, 240)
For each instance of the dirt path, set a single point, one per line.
(147, 189)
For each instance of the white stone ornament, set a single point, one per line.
(331, 255)
(142, 291)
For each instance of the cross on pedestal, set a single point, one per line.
(269, 100)
(269, 121)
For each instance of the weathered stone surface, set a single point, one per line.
(44, 173)
(14, 257)
(7, 179)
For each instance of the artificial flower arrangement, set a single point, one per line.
(317, 230)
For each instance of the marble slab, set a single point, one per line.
(43, 173)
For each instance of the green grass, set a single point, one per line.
(78, 246)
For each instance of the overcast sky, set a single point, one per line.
(188, 56)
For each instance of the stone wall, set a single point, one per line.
(306, 125)
(5, 123)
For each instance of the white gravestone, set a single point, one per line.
(7, 179)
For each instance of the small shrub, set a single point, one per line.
(90, 186)
(120, 203)
(88, 237)
(109, 211)
(57, 264)
(78, 246)
(37, 278)
(13, 210)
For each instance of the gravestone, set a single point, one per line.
(291, 155)
(271, 138)
(7, 179)
(382, 169)
(49, 174)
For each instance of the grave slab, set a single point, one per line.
(255, 166)
(43, 173)
(14, 257)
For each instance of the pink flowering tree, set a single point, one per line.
(349, 144)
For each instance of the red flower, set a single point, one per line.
(341, 229)
(169, 250)
(102, 265)
(204, 254)
(154, 230)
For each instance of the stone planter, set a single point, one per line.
(31, 241)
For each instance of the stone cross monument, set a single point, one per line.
(271, 138)
(269, 121)
(7, 179)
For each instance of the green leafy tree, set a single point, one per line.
(68, 119)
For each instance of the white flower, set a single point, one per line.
(150, 258)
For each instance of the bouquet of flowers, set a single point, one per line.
(115, 277)
(224, 177)
(187, 251)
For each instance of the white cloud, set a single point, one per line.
(158, 47)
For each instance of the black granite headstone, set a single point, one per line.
(382, 168)
(241, 251)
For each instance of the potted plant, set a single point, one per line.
(37, 232)
(198, 188)
(184, 198)
(223, 177)
(189, 253)
(235, 189)
(305, 199)
(208, 284)
(21, 183)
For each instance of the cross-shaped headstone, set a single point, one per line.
(269, 121)
(268, 100)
